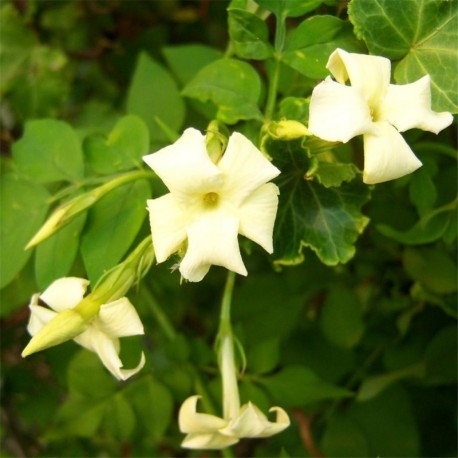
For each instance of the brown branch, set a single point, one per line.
(305, 430)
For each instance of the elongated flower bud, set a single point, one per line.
(66, 325)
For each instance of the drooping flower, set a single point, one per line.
(209, 203)
(378, 110)
(99, 333)
(204, 431)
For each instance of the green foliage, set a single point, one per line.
(422, 39)
(354, 336)
(153, 96)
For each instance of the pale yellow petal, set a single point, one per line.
(168, 219)
(257, 215)
(65, 293)
(251, 422)
(39, 316)
(119, 319)
(185, 167)
(386, 155)
(408, 106)
(208, 441)
(370, 75)
(212, 240)
(338, 112)
(190, 421)
(245, 168)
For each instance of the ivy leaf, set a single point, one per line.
(249, 35)
(327, 220)
(422, 38)
(233, 86)
(309, 45)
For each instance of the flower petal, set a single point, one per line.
(370, 75)
(185, 167)
(107, 350)
(245, 168)
(168, 219)
(250, 423)
(190, 421)
(212, 239)
(119, 319)
(409, 105)
(338, 112)
(39, 316)
(65, 293)
(257, 215)
(208, 441)
(281, 422)
(386, 155)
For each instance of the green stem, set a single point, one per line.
(161, 318)
(280, 33)
(225, 315)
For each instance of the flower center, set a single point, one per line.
(211, 199)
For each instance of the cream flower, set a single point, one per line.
(204, 431)
(101, 334)
(210, 204)
(378, 110)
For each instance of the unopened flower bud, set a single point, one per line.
(216, 140)
(288, 130)
(66, 325)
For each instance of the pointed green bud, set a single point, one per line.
(216, 140)
(287, 130)
(66, 325)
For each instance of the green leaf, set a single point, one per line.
(433, 268)
(327, 220)
(388, 424)
(233, 86)
(289, 8)
(55, 256)
(15, 47)
(249, 35)
(341, 317)
(49, 151)
(373, 386)
(121, 150)
(296, 386)
(153, 404)
(330, 170)
(186, 60)
(429, 228)
(441, 356)
(263, 356)
(153, 94)
(119, 419)
(98, 385)
(309, 45)
(344, 437)
(113, 223)
(23, 208)
(423, 38)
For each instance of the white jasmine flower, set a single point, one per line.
(378, 110)
(99, 334)
(210, 204)
(206, 431)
